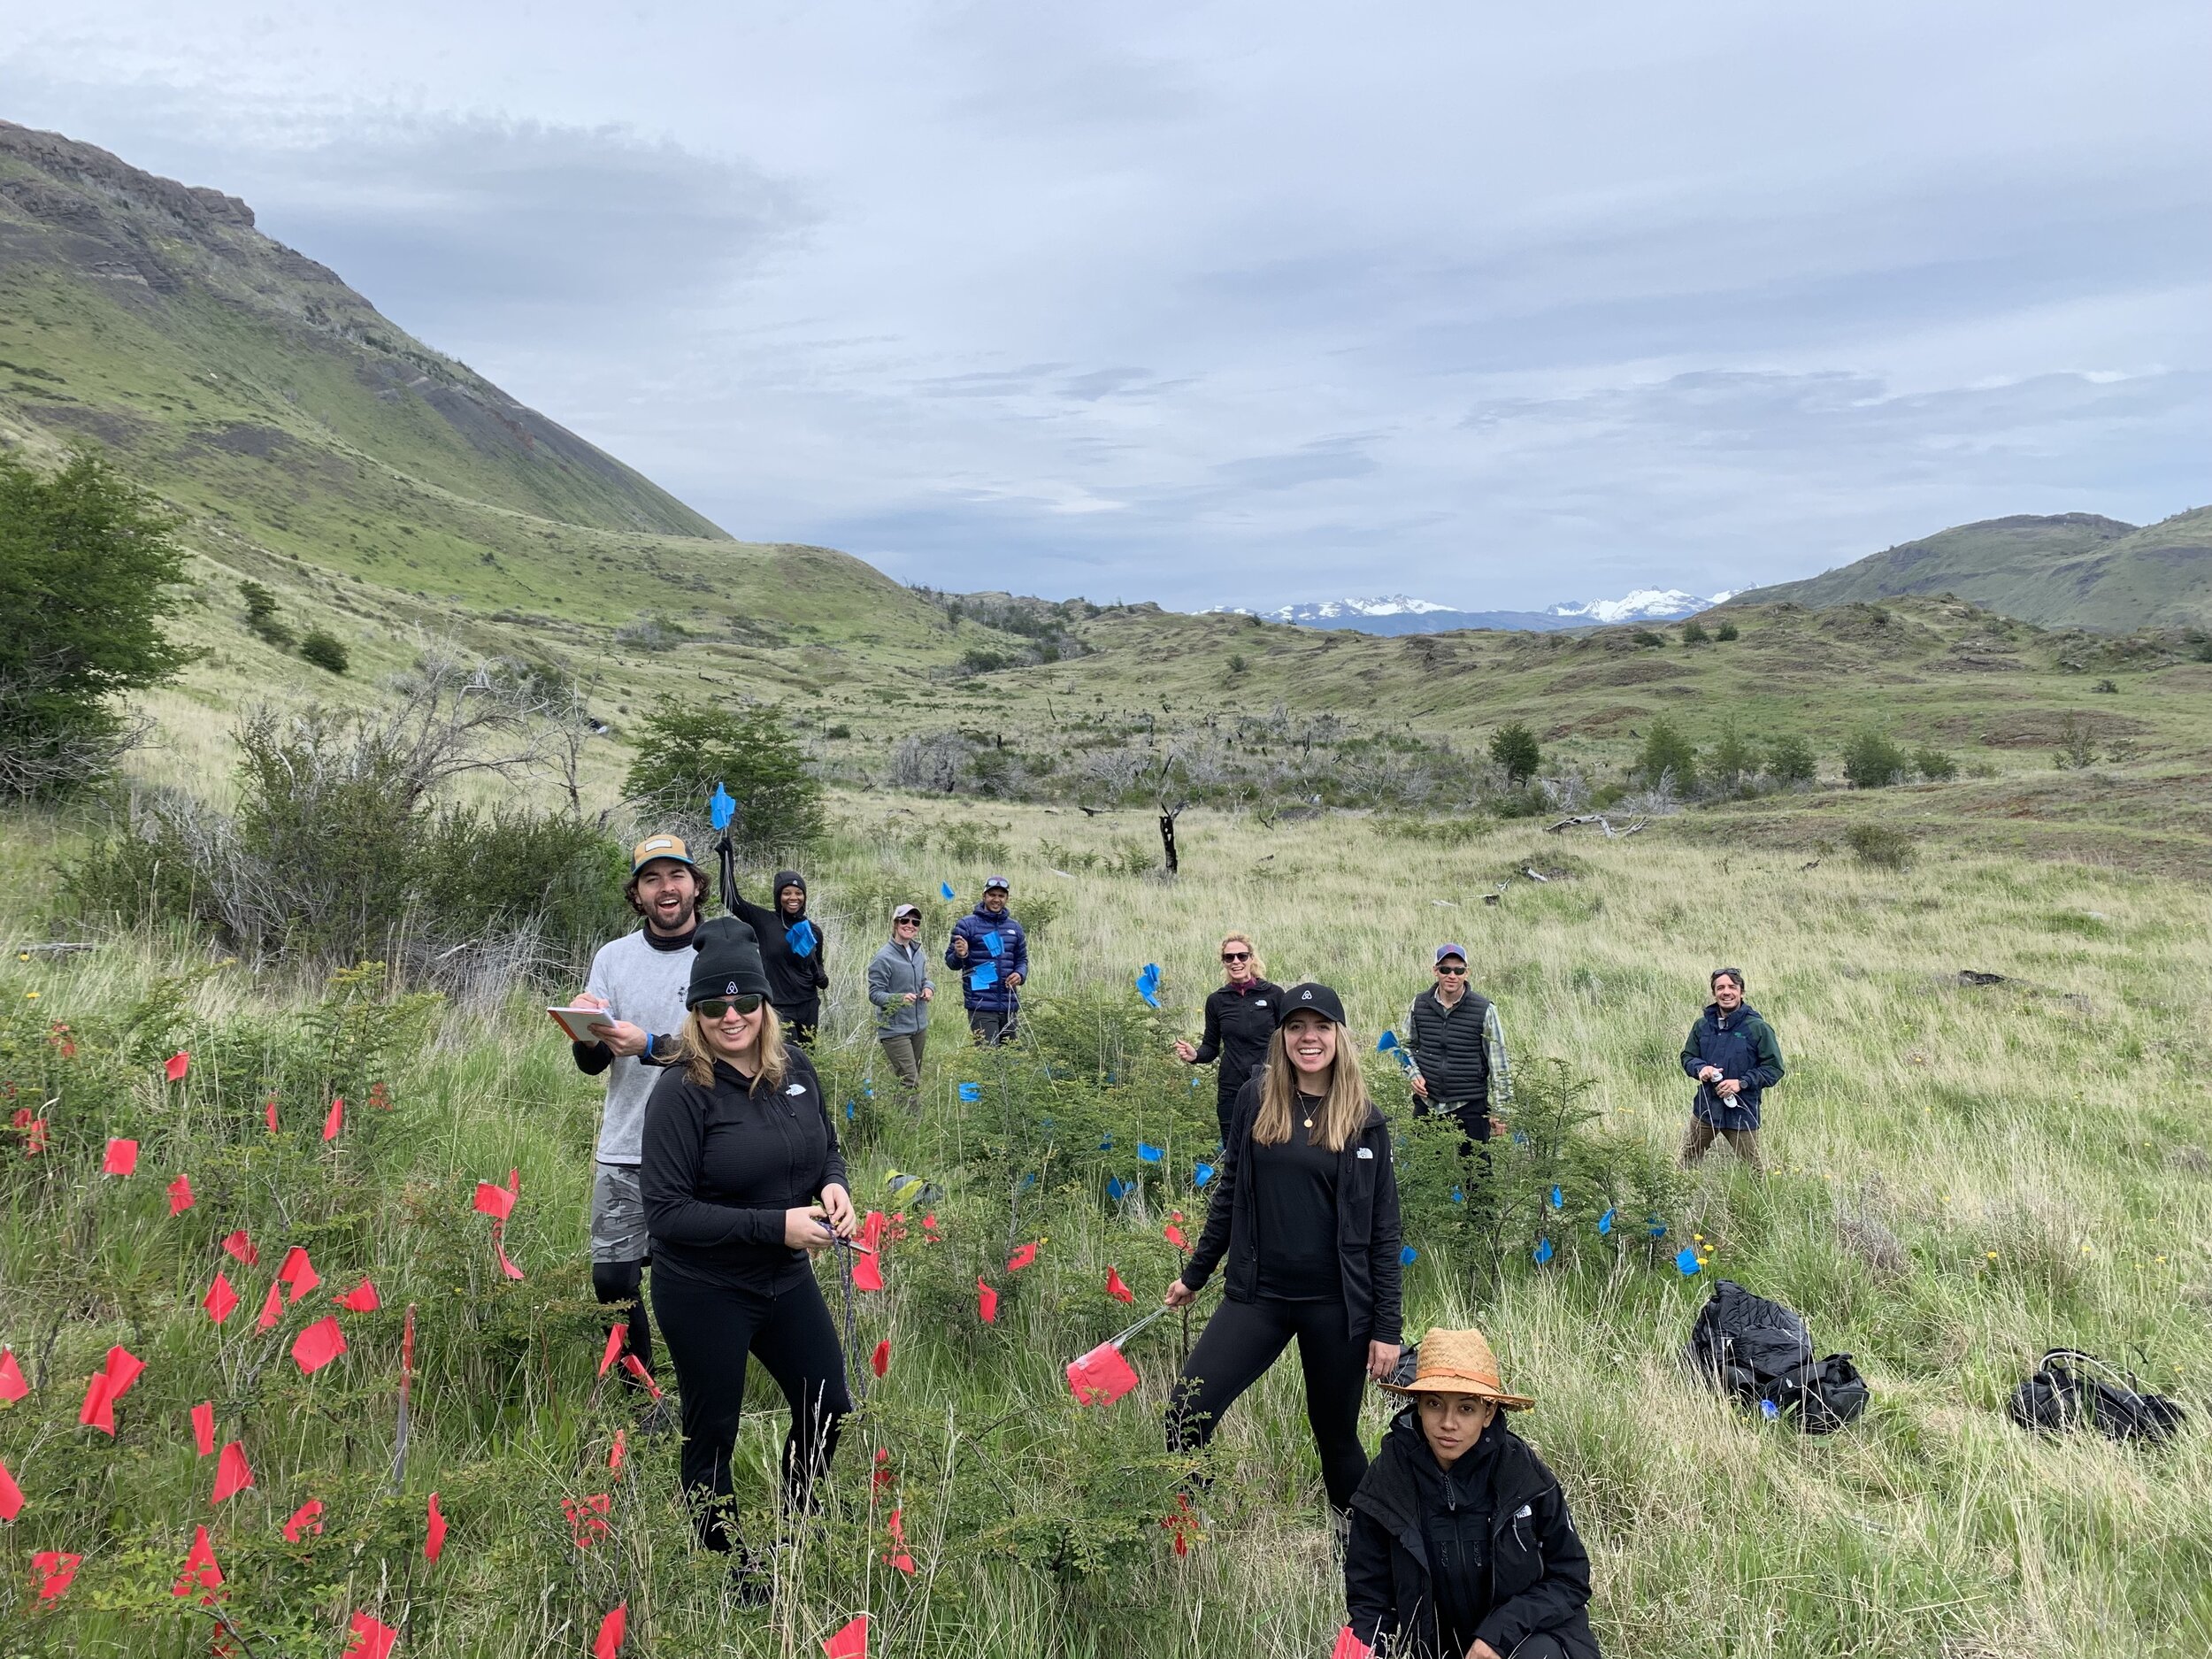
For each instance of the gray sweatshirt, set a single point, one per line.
(644, 987)
(896, 970)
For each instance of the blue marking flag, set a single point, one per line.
(1149, 1153)
(720, 808)
(944, 890)
(1029, 1181)
(1657, 1228)
(870, 1093)
(1520, 1137)
(1558, 1199)
(993, 943)
(1106, 1144)
(800, 937)
(849, 1111)
(983, 976)
(1769, 1409)
(1605, 1224)
(1385, 1043)
(1117, 1189)
(1195, 1081)
(972, 1092)
(1686, 1259)
(1458, 1197)
(1542, 1252)
(1408, 1257)
(1148, 984)
(1201, 1174)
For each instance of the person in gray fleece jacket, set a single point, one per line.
(902, 990)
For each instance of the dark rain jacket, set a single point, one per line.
(796, 977)
(1497, 1522)
(979, 927)
(1239, 1026)
(1367, 1228)
(1742, 1045)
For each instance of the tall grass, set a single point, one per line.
(1962, 1175)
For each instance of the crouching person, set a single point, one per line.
(1461, 1544)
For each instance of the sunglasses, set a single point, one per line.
(715, 1007)
(906, 921)
(1236, 956)
(1445, 967)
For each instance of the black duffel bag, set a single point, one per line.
(1821, 1395)
(1761, 1353)
(2060, 1397)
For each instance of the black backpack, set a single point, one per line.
(1761, 1353)
(2059, 1397)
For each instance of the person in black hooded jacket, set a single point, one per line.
(1240, 1017)
(1305, 1215)
(791, 950)
(1461, 1546)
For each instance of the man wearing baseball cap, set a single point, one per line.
(992, 954)
(1460, 1541)
(1458, 1045)
(638, 980)
(902, 990)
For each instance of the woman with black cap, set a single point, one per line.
(1306, 1212)
(742, 1180)
(790, 950)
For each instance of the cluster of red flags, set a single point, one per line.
(109, 1384)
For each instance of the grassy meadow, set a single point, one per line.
(1963, 1177)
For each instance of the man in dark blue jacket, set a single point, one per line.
(992, 954)
(1733, 1055)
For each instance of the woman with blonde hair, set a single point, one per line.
(742, 1182)
(1305, 1213)
(1240, 1019)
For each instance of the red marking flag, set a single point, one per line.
(434, 1534)
(106, 1387)
(867, 1273)
(176, 1066)
(335, 1119)
(612, 1628)
(372, 1639)
(121, 1159)
(180, 1197)
(635, 1366)
(987, 1302)
(232, 1476)
(220, 1299)
(318, 1345)
(268, 1113)
(203, 1428)
(1174, 1236)
(200, 1571)
(883, 1477)
(614, 1348)
(299, 1273)
(1101, 1377)
(1182, 1524)
(1021, 1258)
(1350, 1646)
(11, 1495)
(848, 1643)
(618, 1453)
(305, 1520)
(34, 1131)
(871, 1229)
(12, 1388)
(240, 1249)
(882, 1361)
(898, 1557)
(54, 1570)
(271, 1307)
(1116, 1288)
(587, 1518)
(361, 1299)
(495, 1201)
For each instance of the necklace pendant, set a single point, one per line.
(1309, 1123)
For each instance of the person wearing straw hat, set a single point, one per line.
(1461, 1543)
(1304, 1222)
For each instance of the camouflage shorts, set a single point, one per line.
(617, 1216)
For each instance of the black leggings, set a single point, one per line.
(622, 1281)
(710, 1329)
(1238, 1345)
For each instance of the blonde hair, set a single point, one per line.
(1259, 968)
(696, 1055)
(1343, 1112)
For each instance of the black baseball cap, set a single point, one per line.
(1318, 998)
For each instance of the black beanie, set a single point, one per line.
(728, 962)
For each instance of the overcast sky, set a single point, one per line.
(1494, 305)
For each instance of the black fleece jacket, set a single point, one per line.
(1239, 1026)
(721, 1165)
(1501, 1521)
(795, 980)
(1367, 1228)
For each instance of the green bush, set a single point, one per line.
(1731, 760)
(1934, 765)
(1727, 631)
(684, 749)
(1513, 747)
(1666, 756)
(1694, 633)
(1883, 845)
(261, 615)
(1790, 761)
(1646, 638)
(325, 649)
(1871, 761)
(87, 570)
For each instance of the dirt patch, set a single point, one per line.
(243, 438)
(109, 426)
(1603, 723)
(1637, 671)
(2037, 728)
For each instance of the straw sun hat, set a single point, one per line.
(1459, 1362)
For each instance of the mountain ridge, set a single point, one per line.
(1399, 614)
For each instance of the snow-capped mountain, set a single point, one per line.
(1398, 613)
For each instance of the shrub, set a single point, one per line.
(2077, 742)
(325, 649)
(1694, 633)
(1934, 765)
(87, 570)
(1666, 756)
(978, 660)
(684, 749)
(1646, 637)
(1727, 631)
(1237, 663)
(1514, 748)
(1871, 761)
(1883, 845)
(2111, 688)
(1790, 761)
(1731, 760)
(261, 615)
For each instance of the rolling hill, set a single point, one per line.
(2072, 569)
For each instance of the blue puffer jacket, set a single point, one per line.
(1742, 1045)
(979, 927)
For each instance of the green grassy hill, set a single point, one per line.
(2068, 570)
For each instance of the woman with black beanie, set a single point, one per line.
(1306, 1212)
(742, 1181)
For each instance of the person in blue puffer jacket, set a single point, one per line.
(1733, 1058)
(992, 954)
